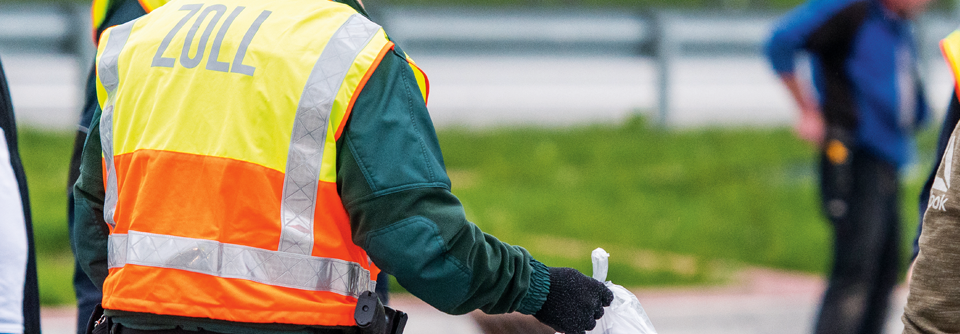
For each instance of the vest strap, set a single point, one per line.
(109, 76)
(305, 156)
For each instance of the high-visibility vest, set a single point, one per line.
(100, 8)
(219, 126)
(950, 47)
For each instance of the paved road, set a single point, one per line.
(484, 91)
(763, 302)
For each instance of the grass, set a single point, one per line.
(671, 207)
(46, 158)
(694, 203)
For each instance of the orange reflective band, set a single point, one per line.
(188, 294)
(363, 82)
(215, 189)
(205, 189)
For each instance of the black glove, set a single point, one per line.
(574, 302)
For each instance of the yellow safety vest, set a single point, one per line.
(950, 46)
(219, 131)
(99, 9)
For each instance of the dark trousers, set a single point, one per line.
(860, 198)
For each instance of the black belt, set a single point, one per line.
(371, 316)
(126, 330)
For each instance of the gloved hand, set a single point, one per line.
(574, 302)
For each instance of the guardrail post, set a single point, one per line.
(665, 49)
(924, 54)
(83, 46)
(79, 44)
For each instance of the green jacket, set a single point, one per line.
(394, 186)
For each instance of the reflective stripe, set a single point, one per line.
(109, 75)
(241, 262)
(310, 132)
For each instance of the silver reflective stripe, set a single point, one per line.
(310, 132)
(241, 262)
(109, 74)
(116, 250)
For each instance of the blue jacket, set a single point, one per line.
(864, 70)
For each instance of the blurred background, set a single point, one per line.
(652, 128)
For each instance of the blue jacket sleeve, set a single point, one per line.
(792, 31)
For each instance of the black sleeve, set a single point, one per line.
(831, 43)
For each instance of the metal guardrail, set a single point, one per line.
(660, 35)
(63, 29)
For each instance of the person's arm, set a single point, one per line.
(787, 40)
(933, 305)
(90, 231)
(810, 126)
(825, 29)
(395, 188)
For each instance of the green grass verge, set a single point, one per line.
(672, 207)
(46, 159)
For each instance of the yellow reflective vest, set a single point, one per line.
(100, 8)
(219, 126)
(950, 46)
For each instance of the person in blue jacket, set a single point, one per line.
(19, 294)
(867, 102)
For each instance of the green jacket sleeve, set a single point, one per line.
(90, 230)
(394, 186)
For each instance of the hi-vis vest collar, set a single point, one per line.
(100, 8)
(219, 130)
(950, 46)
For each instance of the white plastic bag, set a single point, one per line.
(624, 315)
